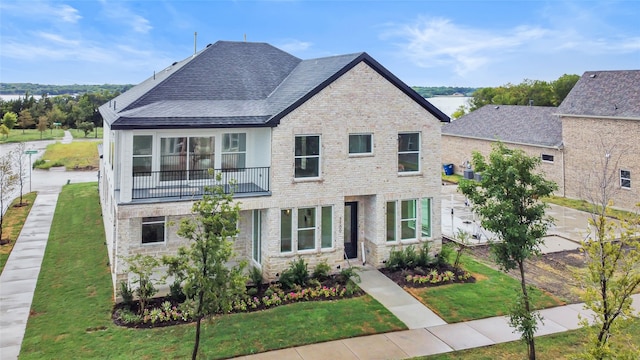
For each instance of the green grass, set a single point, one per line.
(78, 154)
(71, 311)
(583, 205)
(490, 295)
(557, 346)
(12, 223)
(454, 179)
(16, 135)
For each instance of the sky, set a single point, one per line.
(424, 43)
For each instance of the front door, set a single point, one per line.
(351, 230)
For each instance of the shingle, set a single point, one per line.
(604, 93)
(534, 125)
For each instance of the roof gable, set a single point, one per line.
(604, 93)
(533, 125)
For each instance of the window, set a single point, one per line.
(326, 230)
(142, 152)
(306, 228)
(153, 229)
(408, 219)
(186, 158)
(234, 151)
(307, 156)
(257, 236)
(547, 157)
(625, 179)
(426, 217)
(286, 224)
(360, 144)
(391, 221)
(409, 152)
(313, 229)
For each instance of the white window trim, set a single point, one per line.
(398, 222)
(314, 228)
(319, 156)
(333, 238)
(360, 154)
(415, 219)
(253, 233)
(164, 222)
(419, 152)
(317, 247)
(547, 161)
(625, 178)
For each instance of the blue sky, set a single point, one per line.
(425, 43)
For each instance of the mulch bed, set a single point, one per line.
(400, 276)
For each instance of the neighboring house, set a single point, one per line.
(333, 157)
(534, 129)
(600, 115)
(600, 118)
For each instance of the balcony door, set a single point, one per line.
(186, 158)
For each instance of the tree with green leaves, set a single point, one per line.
(507, 199)
(85, 127)
(4, 131)
(43, 124)
(208, 280)
(55, 115)
(9, 119)
(612, 253)
(143, 267)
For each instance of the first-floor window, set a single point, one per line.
(391, 221)
(404, 223)
(286, 224)
(408, 219)
(257, 236)
(306, 228)
(625, 179)
(425, 223)
(153, 229)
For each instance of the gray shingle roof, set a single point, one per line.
(234, 84)
(604, 93)
(533, 125)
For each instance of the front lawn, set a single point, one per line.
(71, 311)
(491, 295)
(16, 135)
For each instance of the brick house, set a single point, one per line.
(333, 157)
(601, 112)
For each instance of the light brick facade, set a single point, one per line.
(359, 101)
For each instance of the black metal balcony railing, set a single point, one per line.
(185, 184)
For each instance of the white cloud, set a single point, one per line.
(67, 13)
(117, 11)
(438, 42)
(57, 39)
(293, 46)
(51, 12)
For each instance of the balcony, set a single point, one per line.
(188, 184)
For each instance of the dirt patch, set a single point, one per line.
(553, 273)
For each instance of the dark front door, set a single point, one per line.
(351, 230)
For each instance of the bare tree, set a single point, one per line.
(8, 182)
(21, 163)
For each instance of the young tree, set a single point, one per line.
(507, 200)
(143, 266)
(8, 181)
(9, 119)
(43, 123)
(203, 266)
(4, 131)
(86, 127)
(19, 160)
(25, 119)
(612, 254)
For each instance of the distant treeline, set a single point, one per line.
(431, 91)
(52, 90)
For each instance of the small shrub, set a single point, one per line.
(424, 258)
(176, 293)
(126, 293)
(255, 275)
(406, 258)
(396, 260)
(410, 257)
(38, 163)
(322, 270)
(445, 254)
(345, 276)
(314, 282)
(128, 317)
(296, 275)
(252, 291)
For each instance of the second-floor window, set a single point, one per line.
(360, 144)
(409, 152)
(234, 151)
(625, 179)
(142, 155)
(185, 158)
(307, 156)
